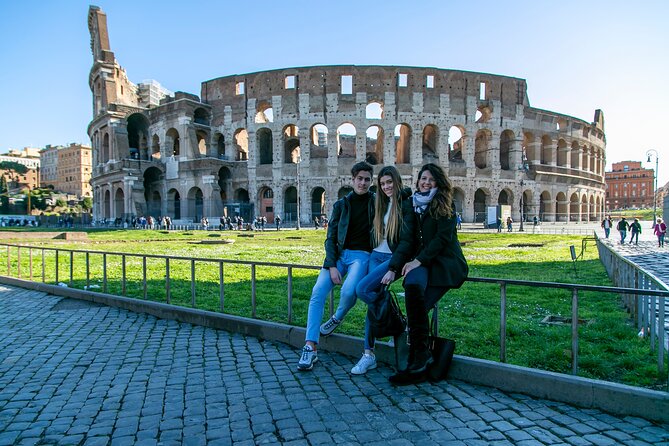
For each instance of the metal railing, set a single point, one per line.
(650, 301)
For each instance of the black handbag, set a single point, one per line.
(442, 352)
(385, 316)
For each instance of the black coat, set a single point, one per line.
(338, 226)
(439, 250)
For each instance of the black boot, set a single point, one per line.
(419, 354)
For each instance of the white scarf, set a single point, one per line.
(421, 200)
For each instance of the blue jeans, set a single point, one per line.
(634, 235)
(353, 265)
(623, 236)
(607, 231)
(368, 288)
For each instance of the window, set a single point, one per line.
(289, 83)
(347, 84)
(402, 80)
(482, 92)
(429, 81)
(239, 88)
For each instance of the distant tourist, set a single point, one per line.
(509, 224)
(623, 226)
(458, 220)
(277, 222)
(660, 231)
(635, 229)
(606, 225)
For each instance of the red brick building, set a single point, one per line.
(629, 185)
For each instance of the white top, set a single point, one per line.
(383, 246)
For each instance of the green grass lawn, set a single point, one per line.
(609, 347)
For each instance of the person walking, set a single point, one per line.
(277, 222)
(622, 227)
(660, 231)
(606, 225)
(635, 229)
(393, 232)
(347, 247)
(509, 224)
(438, 266)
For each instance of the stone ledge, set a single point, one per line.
(610, 397)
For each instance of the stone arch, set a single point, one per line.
(529, 148)
(374, 145)
(201, 137)
(290, 204)
(374, 110)
(195, 199)
(224, 183)
(343, 191)
(264, 113)
(482, 148)
(562, 153)
(266, 200)
(430, 140)
(545, 212)
(241, 142)
(505, 197)
(291, 144)
(155, 148)
(106, 152)
(106, 206)
(242, 195)
(483, 114)
(527, 207)
(317, 202)
(319, 141)
(592, 214)
(119, 206)
(575, 156)
(561, 206)
(458, 200)
(138, 136)
(173, 141)
(219, 141)
(506, 141)
(174, 204)
(573, 207)
(201, 116)
(456, 143)
(402, 144)
(546, 150)
(346, 135)
(265, 145)
(481, 202)
(152, 188)
(584, 207)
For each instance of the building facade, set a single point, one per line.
(253, 143)
(28, 157)
(629, 185)
(68, 169)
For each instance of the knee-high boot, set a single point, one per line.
(419, 329)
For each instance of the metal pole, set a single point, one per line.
(299, 159)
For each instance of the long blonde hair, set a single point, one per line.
(391, 231)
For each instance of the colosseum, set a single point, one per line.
(251, 144)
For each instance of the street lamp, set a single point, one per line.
(299, 159)
(648, 153)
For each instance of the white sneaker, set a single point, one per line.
(308, 357)
(367, 362)
(328, 327)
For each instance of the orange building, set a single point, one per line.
(629, 185)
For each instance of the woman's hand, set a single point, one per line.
(388, 278)
(415, 263)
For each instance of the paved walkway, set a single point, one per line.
(76, 373)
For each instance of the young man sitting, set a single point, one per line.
(347, 248)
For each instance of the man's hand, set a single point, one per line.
(335, 276)
(409, 266)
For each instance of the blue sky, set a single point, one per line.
(576, 56)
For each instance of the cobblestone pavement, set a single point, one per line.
(647, 254)
(76, 373)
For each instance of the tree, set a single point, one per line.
(61, 203)
(87, 204)
(13, 165)
(4, 195)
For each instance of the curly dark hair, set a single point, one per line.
(442, 203)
